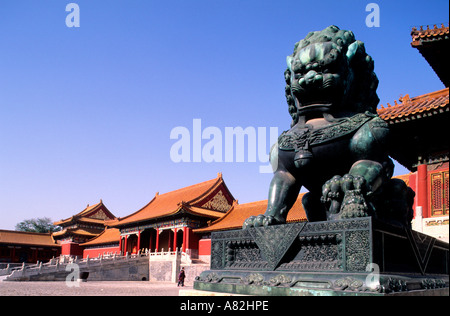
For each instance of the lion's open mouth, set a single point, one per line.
(325, 94)
(314, 107)
(316, 91)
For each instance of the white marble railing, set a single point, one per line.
(60, 264)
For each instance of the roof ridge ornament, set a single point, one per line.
(404, 99)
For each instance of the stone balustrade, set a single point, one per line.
(109, 266)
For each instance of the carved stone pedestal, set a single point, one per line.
(345, 257)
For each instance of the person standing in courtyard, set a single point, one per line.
(181, 277)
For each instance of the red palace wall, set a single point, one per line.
(204, 247)
(431, 186)
(71, 249)
(95, 252)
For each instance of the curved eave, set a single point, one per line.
(75, 232)
(108, 236)
(122, 221)
(202, 212)
(394, 119)
(427, 105)
(64, 222)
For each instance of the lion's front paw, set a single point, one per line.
(331, 190)
(354, 205)
(259, 221)
(345, 196)
(336, 187)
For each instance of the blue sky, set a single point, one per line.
(86, 113)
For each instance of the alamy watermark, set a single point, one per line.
(73, 278)
(73, 18)
(373, 278)
(233, 144)
(373, 18)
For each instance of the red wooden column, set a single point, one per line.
(175, 239)
(188, 232)
(120, 244)
(169, 240)
(422, 192)
(138, 242)
(184, 239)
(150, 242)
(157, 240)
(125, 249)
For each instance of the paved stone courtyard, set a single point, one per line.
(100, 288)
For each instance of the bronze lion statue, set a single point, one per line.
(337, 146)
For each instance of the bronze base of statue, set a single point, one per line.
(358, 256)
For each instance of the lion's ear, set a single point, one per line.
(351, 50)
(289, 60)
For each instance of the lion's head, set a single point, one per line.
(330, 71)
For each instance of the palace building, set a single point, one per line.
(81, 227)
(168, 220)
(417, 127)
(19, 247)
